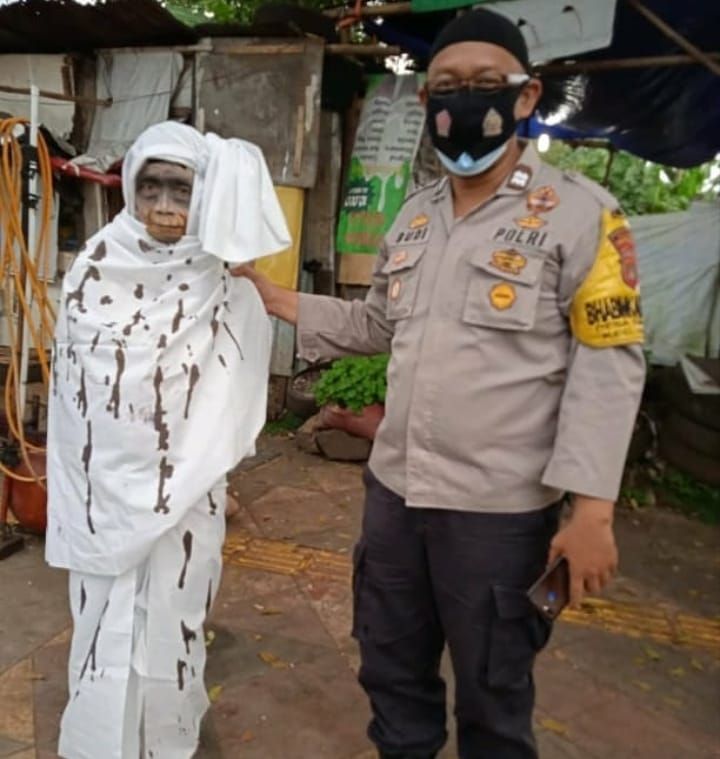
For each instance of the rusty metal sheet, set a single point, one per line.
(267, 93)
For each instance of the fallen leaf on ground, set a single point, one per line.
(560, 655)
(652, 654)
(676, 702)
(553, 726)
(271, 660)
(214, 693)
(677, 672)
(695, 664)
(247, 736)
(209, 638)
(643, 686)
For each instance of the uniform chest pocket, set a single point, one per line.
(504, 289)
(403, 273)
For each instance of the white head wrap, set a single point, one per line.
(234, 211)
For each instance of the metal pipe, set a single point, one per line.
(617, 64)
(676, 37)
(29, 201)
(389, 9)
(55, 95)
(362, 50)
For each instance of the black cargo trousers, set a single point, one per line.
(426, 577)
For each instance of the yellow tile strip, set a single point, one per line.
(646, 621)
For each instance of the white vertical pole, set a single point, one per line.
(25, 336)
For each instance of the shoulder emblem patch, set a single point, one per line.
(606, 310)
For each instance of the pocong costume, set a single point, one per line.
(158, 389)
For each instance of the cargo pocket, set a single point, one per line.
(504, 289)
(387, 606)
(518, 633)
(403, 275)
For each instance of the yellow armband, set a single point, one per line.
(606, 309)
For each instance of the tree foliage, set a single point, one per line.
(640, 186)
(193, 12)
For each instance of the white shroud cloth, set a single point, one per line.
(160, 367)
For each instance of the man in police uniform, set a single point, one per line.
(507, 295)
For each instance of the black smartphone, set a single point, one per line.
(550, 594)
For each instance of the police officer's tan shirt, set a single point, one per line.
(516, 363)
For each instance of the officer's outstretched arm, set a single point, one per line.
(331, 327)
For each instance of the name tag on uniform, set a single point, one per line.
(417, 231)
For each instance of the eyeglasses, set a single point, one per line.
(448, 86)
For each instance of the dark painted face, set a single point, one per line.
(162, 199)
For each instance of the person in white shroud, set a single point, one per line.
(158, 389)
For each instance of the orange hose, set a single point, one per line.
(37, 312)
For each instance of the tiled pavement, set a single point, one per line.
(281, 662)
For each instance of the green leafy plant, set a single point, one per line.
(354, 382)
(690, 496)
(288, 422)
(641, 187)
(192, 12)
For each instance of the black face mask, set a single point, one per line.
(471, 121)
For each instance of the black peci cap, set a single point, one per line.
(480, 25)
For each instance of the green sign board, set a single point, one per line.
(386, 142)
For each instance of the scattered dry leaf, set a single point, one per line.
(643, 686)
(209, 638)
(553, 726)
(677, 672)
(676, 702)
(271, 660)
(697, 664)
(652, 654)
(247, 736)
(214, 693)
